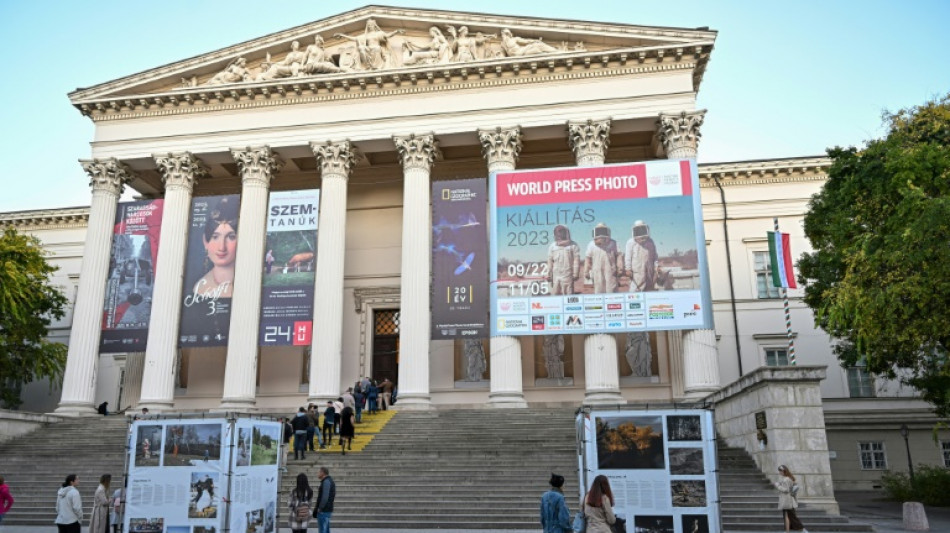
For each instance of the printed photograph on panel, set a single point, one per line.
(192, 444)
(266, 440)
(243, 453)
(270, 517)
(686, 461)
(653, 524)
(148, 446)
(255, 521)
(203, 502)
(688, 493)
(682, 428)
(146, 525)
(695, 523)
(178, 529)
(630, 442)
(205, 529)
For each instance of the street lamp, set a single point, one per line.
(905, 431)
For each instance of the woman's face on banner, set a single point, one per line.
(222, 248)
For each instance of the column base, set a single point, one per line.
(75, 409)
(507, 400)
(321, 401)
(237, 404)
(604, 397)
(155, 406)
(412, 402)
(698, 393)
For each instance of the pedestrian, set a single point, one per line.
(348, 399)
(347, 428)
(115, 516)
(300, 424)
(329, 416)
(314, 428)
(372, 396)
(359, 399)
(386, 387)
(69, 506)
(599, 506)
(787, 500)
(103, 408)
(286, 431)
(6, 500)
(99, 520)
(325, 496)
(555, 516)
(364, 383)
(301, 501)
(337, 408)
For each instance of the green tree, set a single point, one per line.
(28, 303)
(879, 278)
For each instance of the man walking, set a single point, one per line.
(325, 496)
(386, 387)
(300, 424)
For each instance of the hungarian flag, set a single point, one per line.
(780, 253)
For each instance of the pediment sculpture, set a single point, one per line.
(374, 50)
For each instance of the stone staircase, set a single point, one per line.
(750, 503)
(442, 469)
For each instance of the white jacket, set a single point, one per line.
(68, 506)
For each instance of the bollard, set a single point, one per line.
(915, 517)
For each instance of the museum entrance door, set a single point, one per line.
(386, 345)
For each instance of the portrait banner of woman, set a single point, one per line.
(209, 271)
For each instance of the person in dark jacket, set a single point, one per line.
(325, 496)
(300, 424)
(329, 420)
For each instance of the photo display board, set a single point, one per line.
(290, 266)
(254, 464)
(661, 466)
(459, 260)
(604, 249)
(128, 301)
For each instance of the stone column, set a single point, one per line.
(589, 140)
(678, 135)
(132, 386)
(180, 173)
(257, 166)
(417, 153)
(106, 178)
(335, 160)
(501, 148)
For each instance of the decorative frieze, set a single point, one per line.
(180, 170)
(417, 151)
(589, 139)
(501, 146)
(108, 175)
(257, 165)
(679, 134)
(336, 158)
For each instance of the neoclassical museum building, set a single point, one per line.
(370, 107)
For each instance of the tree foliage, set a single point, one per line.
(879, 278)
(28, 303)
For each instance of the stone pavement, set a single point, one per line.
(859, 506)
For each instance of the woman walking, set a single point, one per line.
(69, 506)
(301, 500)
(347, 428)
(99, 521)
(787, 501)
(599, 506)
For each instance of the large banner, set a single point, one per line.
(254, 465)
(209, 271)
(178, 476)
(598, 250)
(661, 466)
(459, 260)
(128, 302)
(290, 262)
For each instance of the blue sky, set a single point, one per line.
(786, 79)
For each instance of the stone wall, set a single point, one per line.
(15, 423)
(789, 397)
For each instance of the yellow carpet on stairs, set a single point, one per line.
(365, 431)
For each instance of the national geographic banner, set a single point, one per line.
(209, 271)
(290, 262)
(598, 250)
(128, 301)
(459, 260)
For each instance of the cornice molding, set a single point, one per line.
(402, 81)
(73, 217)
(760, 172)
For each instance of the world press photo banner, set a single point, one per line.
(254, 464)
(604, 249)
(209, 271)
(290, 263)
(661, 466)
(178, 476)
(128, 301)
(459, 260)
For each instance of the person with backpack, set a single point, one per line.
(301, 503)
(788, 499)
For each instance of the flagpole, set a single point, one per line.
(788, 316)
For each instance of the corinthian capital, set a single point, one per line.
(336, 158)
(679, 133)
(108, 175)
(417, 151)
(589, 140)
(180, 170)
(501, 146)
(258, 165)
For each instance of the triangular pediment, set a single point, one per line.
(377, 45)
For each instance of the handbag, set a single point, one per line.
(580, 522)
(619, 525)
